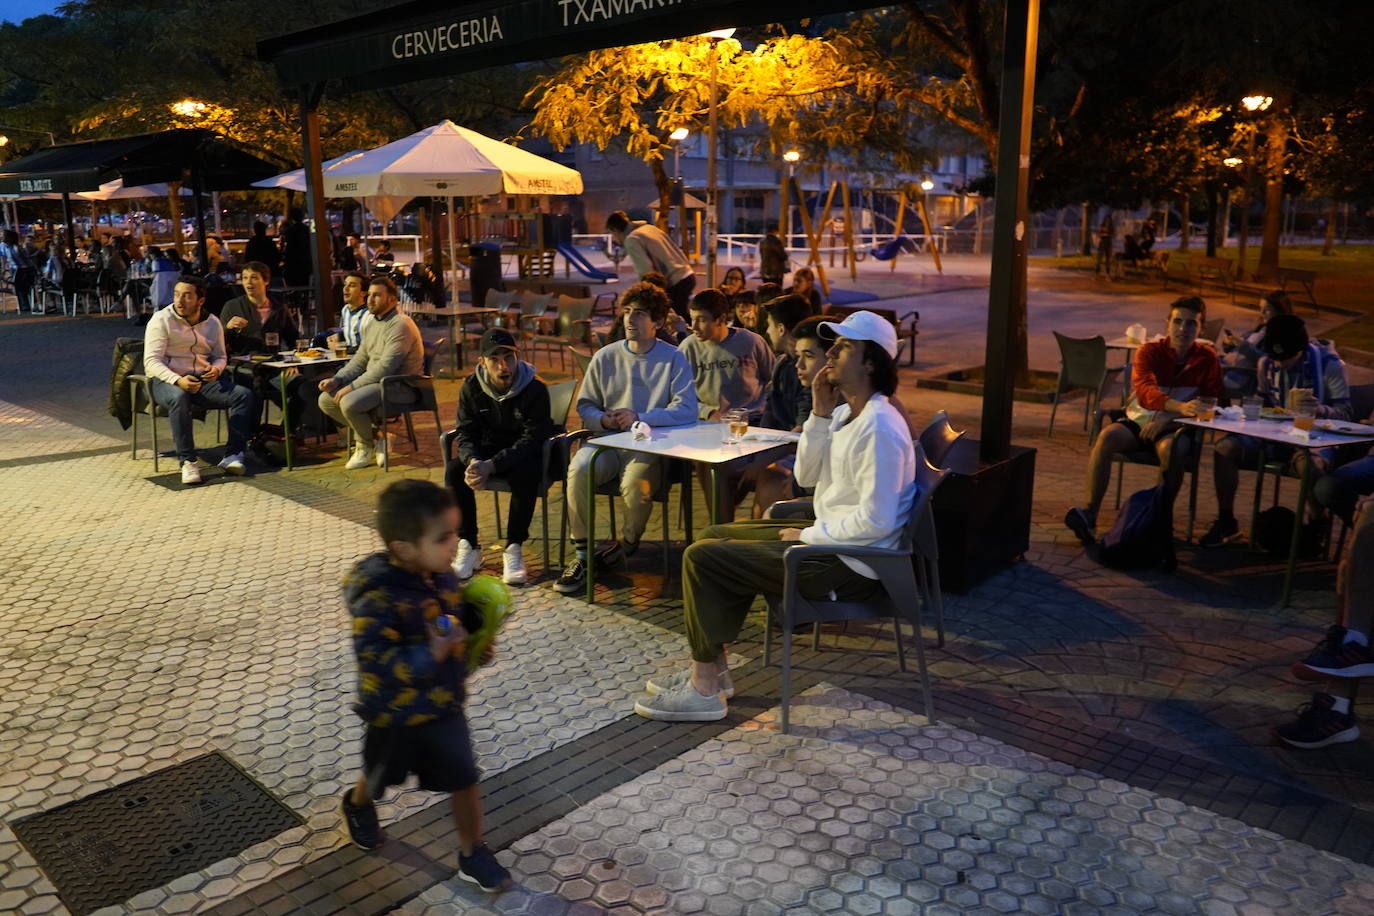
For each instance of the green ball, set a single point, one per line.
(488, 593)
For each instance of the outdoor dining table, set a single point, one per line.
(701, 443)
(280, 364)
(455, 340)
(1281, 431)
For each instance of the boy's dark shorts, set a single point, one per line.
(440, 753)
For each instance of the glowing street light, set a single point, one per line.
(791, 156)
(1257, 102)
(1233, 161)
(4, 141)
(927, 185)
(188, 108)
(679, 135)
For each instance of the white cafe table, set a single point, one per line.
(281, 365)
(1281, 432)
(701, 443)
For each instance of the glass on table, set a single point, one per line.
(272, 339)
(1251, 404)
(1206, 409)
(1305, 412)
(303, 343)
(734, 424)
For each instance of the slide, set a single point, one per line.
(890, 250)
(584, 267)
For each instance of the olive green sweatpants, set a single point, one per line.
(729, 565)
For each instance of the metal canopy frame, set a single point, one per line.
(195, 155)
(422, 39)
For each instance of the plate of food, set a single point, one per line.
(1275, 413)
(1344, 428)
(310, 354)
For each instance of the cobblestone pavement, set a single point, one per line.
(143, 625)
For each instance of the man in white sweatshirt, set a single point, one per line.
(650, 249)
(184, 356)
(638, 378)
(859, 457)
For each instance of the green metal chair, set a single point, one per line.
(1082, 365)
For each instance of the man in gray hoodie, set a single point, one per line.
(640, 378)
(391, 346)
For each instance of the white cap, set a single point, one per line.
(866, 326)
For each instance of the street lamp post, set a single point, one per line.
(678, 136)
(791, 157)
(711, 127)
(1252, 104)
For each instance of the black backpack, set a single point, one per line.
(1143, 536)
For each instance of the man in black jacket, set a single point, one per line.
(503, 423)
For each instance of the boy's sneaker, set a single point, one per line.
(362, 456)
(1336, 657)
(668, 682)
(233, 464)
(482, 869)
(363, 828)
(190, 473)
(382, 449)
(574, 578)
(1077, 521)
(468, 560)
(615, 553)
(1318, 725)
(682, 704)
(1222, 530)
(513, 565)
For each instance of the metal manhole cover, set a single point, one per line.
(110, 846)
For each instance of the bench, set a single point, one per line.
(1222, 271)
(906, 336)
(1307, 279)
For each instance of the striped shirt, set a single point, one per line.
(352, 323)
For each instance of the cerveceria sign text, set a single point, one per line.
(418, 40)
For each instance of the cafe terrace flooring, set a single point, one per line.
(1101, 742)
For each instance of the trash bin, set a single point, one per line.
(484, 272)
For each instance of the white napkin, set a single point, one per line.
(641, 430)
(1288, 429)
(771, 437)
(1230, 413)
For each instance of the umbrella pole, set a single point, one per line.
(452, 253)
(67, 218)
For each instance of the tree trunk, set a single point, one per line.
(1275, 143)
(1059, 232)
(664, 184)
(1329, 246)
(1345, 222)
(1211, 220)
(1225, 220)
(1086, 238)
(1185, 222)
(174, 207)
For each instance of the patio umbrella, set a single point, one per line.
(383, 208)
(446, 160)
(117, 190)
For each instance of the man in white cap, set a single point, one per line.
(858, 455)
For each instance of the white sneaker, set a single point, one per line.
(383, 449)
(513, 565)
(233, 464)
(362, 456)
(669, 682)
(683, 704)
(468, 560)
(190, 473)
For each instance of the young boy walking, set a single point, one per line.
(409, 633)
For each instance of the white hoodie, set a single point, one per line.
(864, 473)
(173, 348)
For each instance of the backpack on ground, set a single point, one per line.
(1143, 536)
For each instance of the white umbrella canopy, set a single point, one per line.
(446, 160)
(294, 180)
(116, 190)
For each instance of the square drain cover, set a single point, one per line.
(115, 844)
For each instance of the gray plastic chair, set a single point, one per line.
(896, 572)
(1082, 365)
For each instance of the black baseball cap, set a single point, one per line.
(494, 339)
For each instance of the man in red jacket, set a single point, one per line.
(1168, 377)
